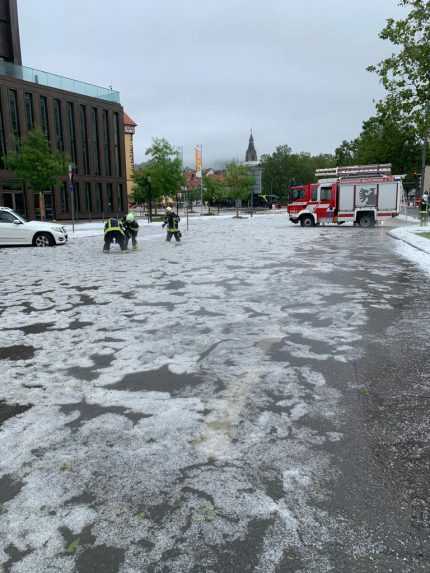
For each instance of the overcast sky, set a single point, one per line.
(206, 72)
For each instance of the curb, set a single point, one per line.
(408, 243)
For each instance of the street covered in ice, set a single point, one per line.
(254, 399)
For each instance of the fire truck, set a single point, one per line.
(362, 194)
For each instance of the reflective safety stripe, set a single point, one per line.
(109, 229)
(172, 230)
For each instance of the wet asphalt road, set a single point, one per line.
(254, 400)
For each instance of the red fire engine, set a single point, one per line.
(363, 195)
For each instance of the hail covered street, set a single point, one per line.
(255, 399)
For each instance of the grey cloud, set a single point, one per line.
(206, 72)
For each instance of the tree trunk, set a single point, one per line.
(150, 208)
(42, 206)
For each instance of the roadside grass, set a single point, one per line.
(426, 235)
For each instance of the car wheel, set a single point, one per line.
(43, 240)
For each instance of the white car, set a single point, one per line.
(14, 230)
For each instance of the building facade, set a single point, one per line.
(129, 131)
(85, 122)
(10, 45)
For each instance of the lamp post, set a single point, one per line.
(72, 195)
(424, 153)
(148, 179)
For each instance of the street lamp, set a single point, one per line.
(148, 182)
(71, 172)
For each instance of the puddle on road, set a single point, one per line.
(10, 410)
(203, 312)
(82, 288)
(89, 373)
(73, 542)
(244, 554)
(37, 328)
(161, 380)
(15, 556)
(100, 559)
(174, 285)
(76, 325)
(9, 488)
(85, 498)
(89, 412)
(18, 352)
(169, 306)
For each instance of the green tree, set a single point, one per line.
(387, 137)
(238, 183)
(164, 168)
(36, 164)
(283, 168)
(142, 189)
(406, 73)
(213, 191)
(346, 153)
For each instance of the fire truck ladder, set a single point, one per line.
(378, 170)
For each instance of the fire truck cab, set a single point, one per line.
(363, 195)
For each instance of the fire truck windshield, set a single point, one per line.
(297, 194)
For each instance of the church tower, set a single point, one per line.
(251, 153)
(10, 45)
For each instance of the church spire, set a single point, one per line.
(251, 153)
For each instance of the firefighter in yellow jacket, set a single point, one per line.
(171, 221)
(114, 232)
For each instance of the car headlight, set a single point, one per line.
(59, 229)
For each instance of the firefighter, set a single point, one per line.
(424, 212)
(330, 214)
(171, 220)
(131, 227)
(114, 232)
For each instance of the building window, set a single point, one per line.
(110, 197)
(14, 118)
(58, 116)
(117, 148)
(44, 116)
(88, 198)
(106, 144)
(2, 139)
(65, 197)
(72, 132)
(84, 140)
(96, 140)
(29, 110)
(120, 201)
(99, 198)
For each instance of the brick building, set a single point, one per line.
(82, 120)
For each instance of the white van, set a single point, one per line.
(15, 230)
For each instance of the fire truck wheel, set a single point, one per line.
(307, 221)
(366, 221)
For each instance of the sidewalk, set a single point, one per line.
(412, 245)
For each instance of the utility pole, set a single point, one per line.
(201, 182)
(424, 152)
(72, 195)
(148, 179)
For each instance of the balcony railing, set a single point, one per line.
(57, 82)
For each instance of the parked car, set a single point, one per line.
(15, 230)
